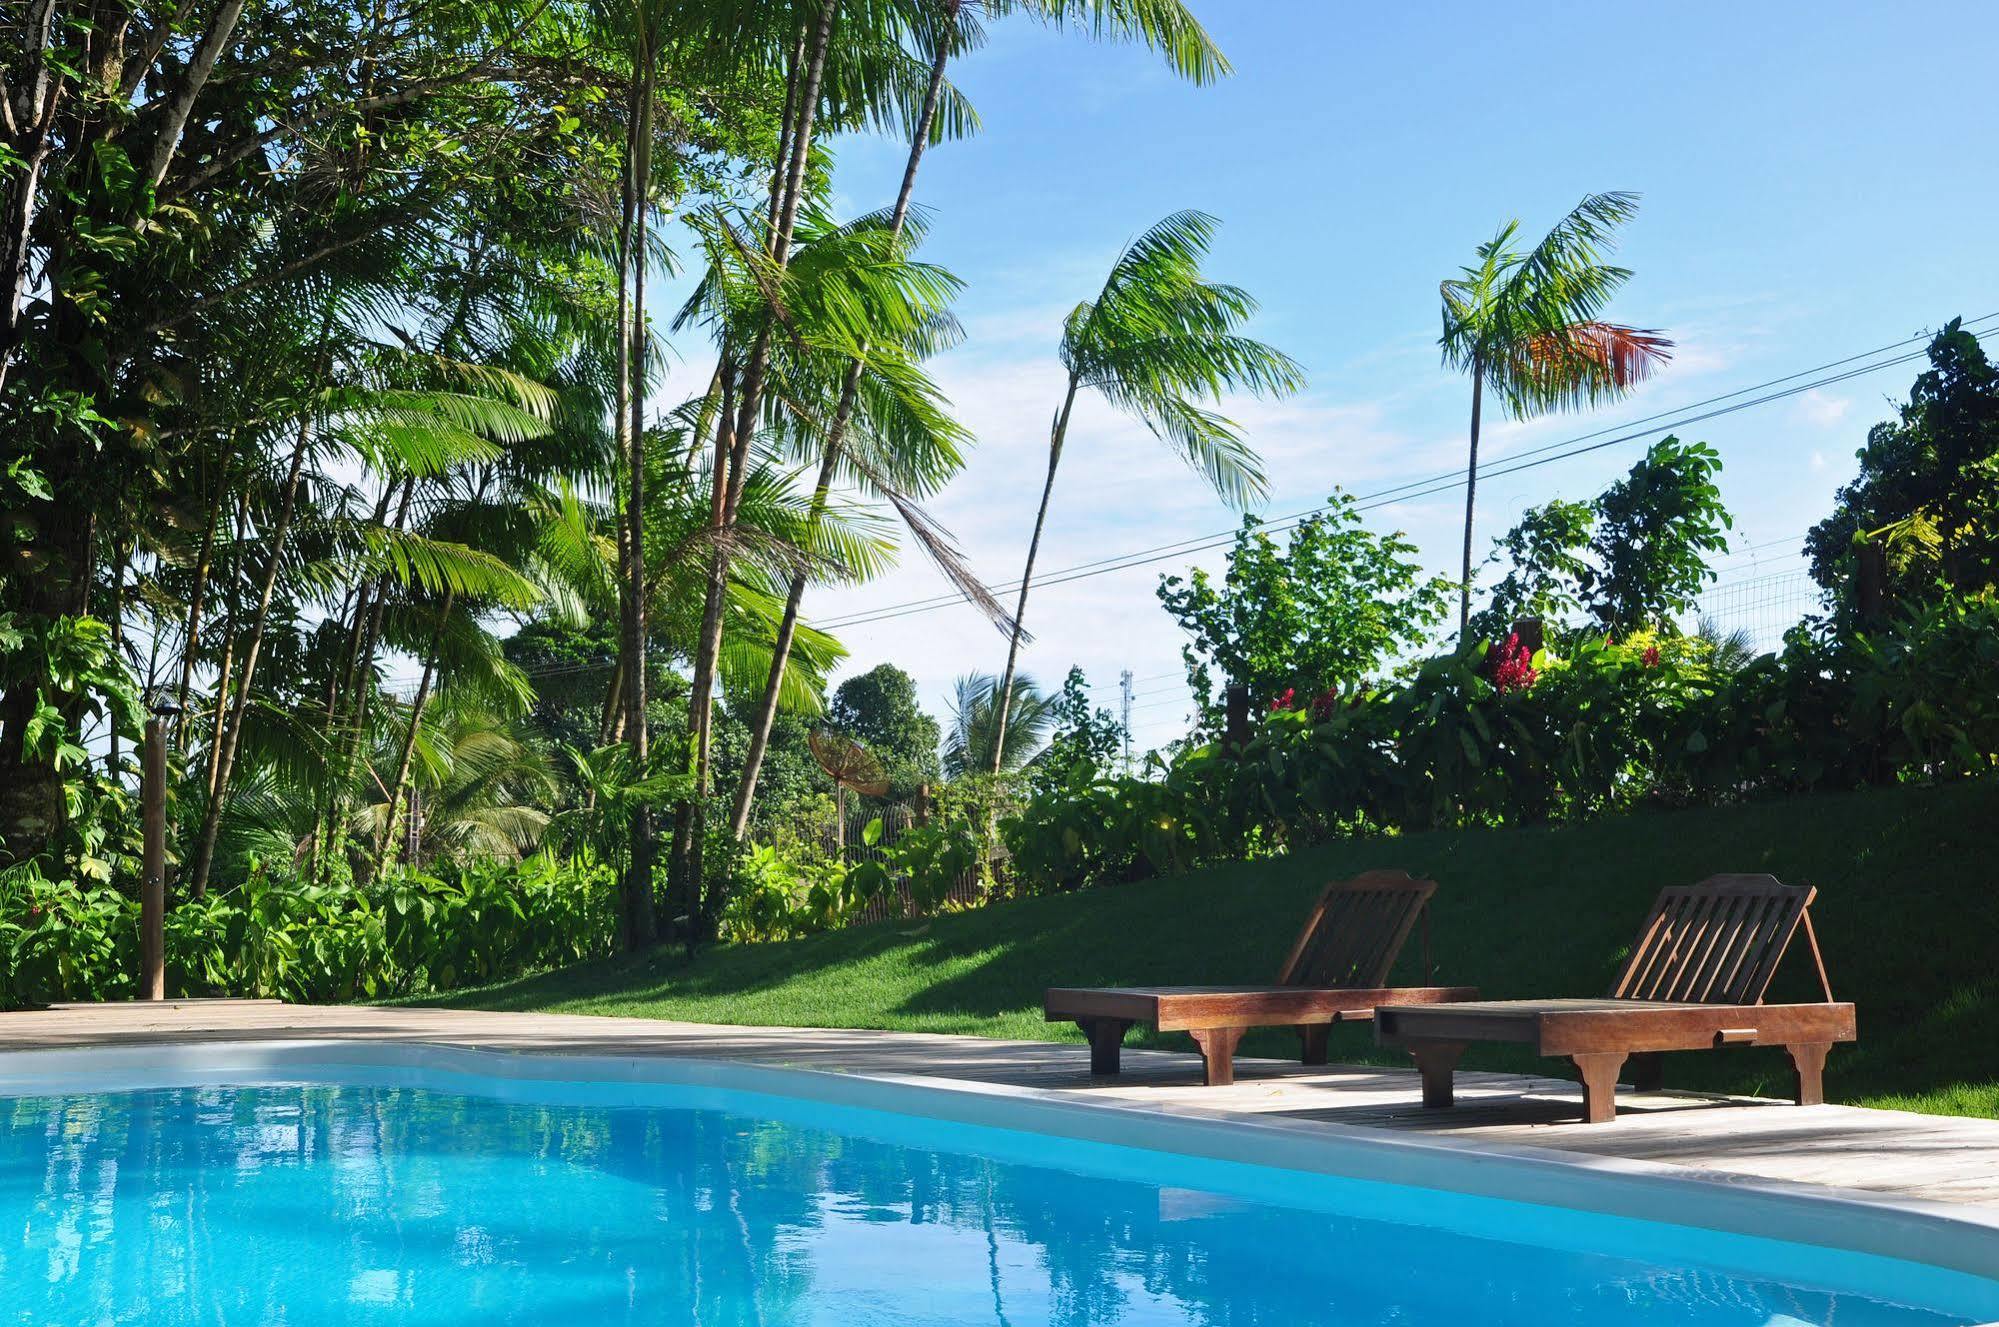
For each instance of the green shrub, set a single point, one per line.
(1493, 735)
(405, 934)
(781, 893)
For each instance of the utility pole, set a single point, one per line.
(1124, 716)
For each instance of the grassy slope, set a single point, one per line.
(1908, 917)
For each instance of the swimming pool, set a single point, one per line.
(316, 1185)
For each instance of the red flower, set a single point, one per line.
(1515, 670)
(1324, 703)
(1283, 702)
(1651, 656)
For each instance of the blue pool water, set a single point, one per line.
(314, 1204)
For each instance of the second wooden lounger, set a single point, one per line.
(1335, 972)
(1695, 980)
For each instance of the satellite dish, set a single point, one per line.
(849, 765)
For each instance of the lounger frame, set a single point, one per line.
(1695, 980)
(1336, 971)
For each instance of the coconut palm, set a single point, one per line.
(1528, 325)
(974, 746)
(1165, 25)
(1159, 341)
(479, 790)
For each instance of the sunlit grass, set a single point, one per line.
(1908, 918)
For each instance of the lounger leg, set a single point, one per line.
(1648, 1071)
(1106, 1038)
(1599, 1075)
(1437, 1061)
(1217, 1053)
(1314, 1037)
(1808, 1058)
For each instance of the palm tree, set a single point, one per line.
(1157, 341)
(480, 791)
(1163, 24)
(1529, 326)
(973, 745)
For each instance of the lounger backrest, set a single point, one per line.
(1718, 942)
(1355, 931)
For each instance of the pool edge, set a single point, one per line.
(1951, 1237)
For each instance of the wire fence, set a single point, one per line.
(1761, 608)
(971, 889)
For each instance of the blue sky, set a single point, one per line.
(1818, 180)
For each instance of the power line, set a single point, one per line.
(1515, 463)
(1412, 490)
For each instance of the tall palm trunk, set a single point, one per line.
(339, 684)
(191, 633)
(629, 577)
(1471, 500)
(686, 861)
(227, 671)
(211, 821)
(392, 816)
(787, 629)
(643, 926)
(360, 688)
(1003, 702)
(121, 560)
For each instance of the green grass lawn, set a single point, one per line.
(1908, 917)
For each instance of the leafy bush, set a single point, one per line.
(780, 893)
(927, 860)
(1493, 735)
(405, 934)
(1330, 607)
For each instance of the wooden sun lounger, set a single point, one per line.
(1336, 971)
(1695, 980)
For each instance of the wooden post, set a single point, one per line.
(1871, 581)
(1235, 718)
(153, 867)
(922, 813)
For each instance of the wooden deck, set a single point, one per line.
(1890, 1152)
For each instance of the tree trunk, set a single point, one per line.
(1471, 499)
(681, 849)
(211, 821)
(119, 562)
(191, 638)
(385, 848)
(34, 113)
(611, 723)
(181, 102)
(787, 630)
(360, 683)
(227, 674)
(644, 926)
(686, 860)
(1003, 700)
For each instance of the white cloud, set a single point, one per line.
(1821, 409)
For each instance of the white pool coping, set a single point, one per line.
(1951, 1238)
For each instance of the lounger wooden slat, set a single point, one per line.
(1694, 980)
(1710, 956)
(1336, 970)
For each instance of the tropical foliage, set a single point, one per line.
(330, 430)
(337, 461)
